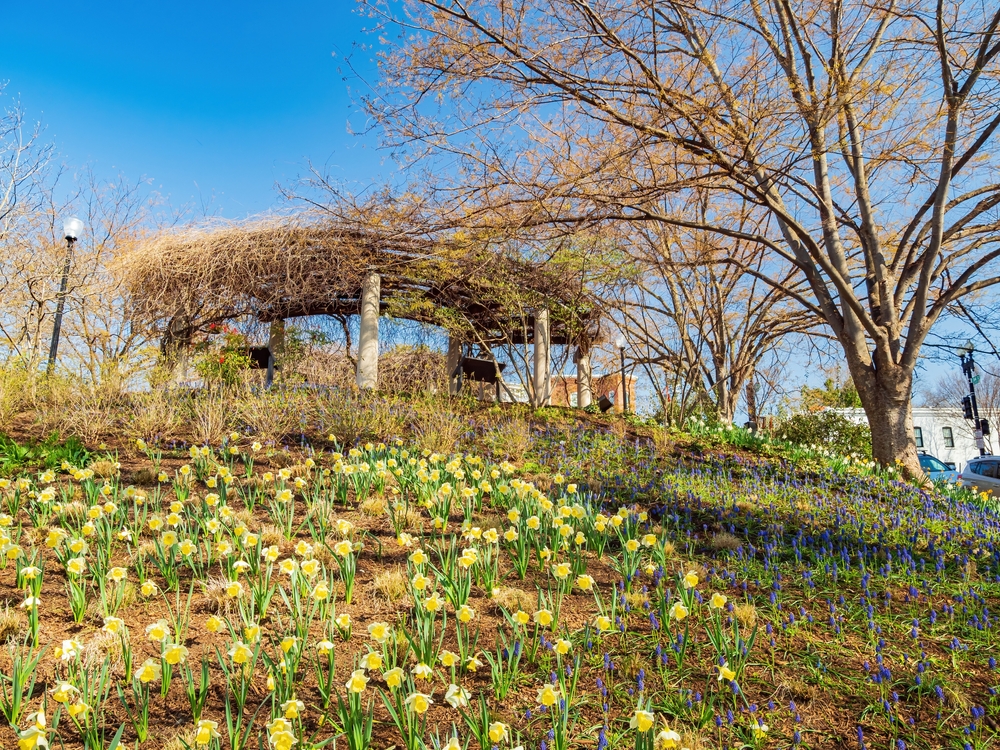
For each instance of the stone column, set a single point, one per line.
(368, 337)
(542, 364)
(584, 394)
(275, 348)
(452, 363)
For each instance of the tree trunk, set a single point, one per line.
(885, 396)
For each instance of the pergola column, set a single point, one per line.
(542, 364)
(584, 393)
(368, 337)
(275, 347)
(452, 363)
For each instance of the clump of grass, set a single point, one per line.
(723, 541)
(373, 505)
(746, 615)
(390, 584)
(11, 623)
(512, 599)
(104, 468)
(145, 477)
(185, 740)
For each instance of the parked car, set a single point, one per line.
(936, 469)
(982, 473)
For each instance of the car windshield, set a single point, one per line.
(929, 463)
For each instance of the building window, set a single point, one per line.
(918, 437)
(949, 437)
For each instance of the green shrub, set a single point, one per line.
(828, 429)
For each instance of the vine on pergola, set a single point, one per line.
(314, 263)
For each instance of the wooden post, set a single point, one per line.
(453, 363)
(584, 391)
(367, 376)
(542, 375)
(275, 348)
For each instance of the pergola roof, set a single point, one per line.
(312, 264)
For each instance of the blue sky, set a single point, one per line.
(215, 101)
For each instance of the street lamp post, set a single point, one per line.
(969, 367)
(620, 343)
(71, 231)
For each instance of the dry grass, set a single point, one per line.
(104, 469)
(390, 584)
(211, 417)
(512, 599)
(724, 541)
(439, 431)
(11, 623)
(152, 414)
(746, 615)
(374, 505)
(509, 439)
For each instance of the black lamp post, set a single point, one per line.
(71, 230)
(969, 367)
(620, 343)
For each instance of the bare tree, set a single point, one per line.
(695, 313)
(863, 130)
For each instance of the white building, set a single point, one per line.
(940, 431)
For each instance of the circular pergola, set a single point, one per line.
(284, 267)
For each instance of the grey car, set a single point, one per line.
(982, 474)
(936, 469)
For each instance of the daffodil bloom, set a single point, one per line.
(240, 653)
(64, 692)
(448, 658)
(371, 661)
(760, 731)
(117, 574)
(234, 589)
(419, 582)
(725, 673)
(418, 557)
(584, 582)
(175, 654)
(310, 567)
(394, 678)
(498, 731)
(456, 696)
(76, 566)
(113, 625)
(282, 740)
(69, 650)
(343, 548)
(678, 611)
(521, 617)
(251, 632)
(357, 682)
(343, 621)
(543, 617)
(214, 624)
(433, 603)
(293, 708)
(30, 602)
(548, 696)
(667, 739)
(148, 671)
(603, 623)
(79, 708)
(561, 570)
(562, 646)
(379, 631)
(642, 720)
(466, 613)
(158, 631)
(690, 579)
(423, 670)
(718, 601)
(207, 731)
(31, 738)
(321, 592)
(148, 588)
(418, 702)
(473, 664)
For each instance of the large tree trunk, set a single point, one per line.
(885, 396)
